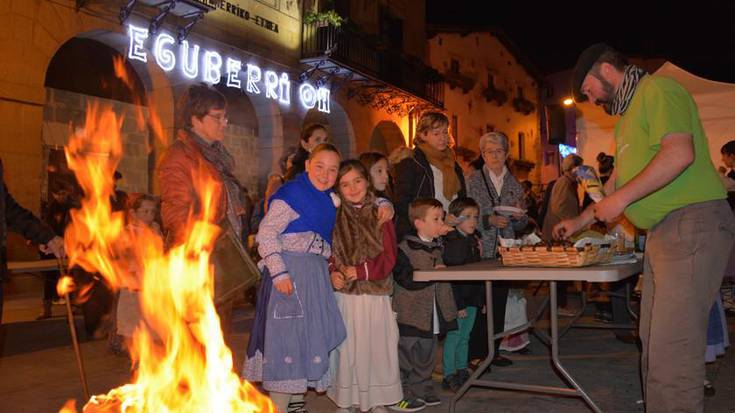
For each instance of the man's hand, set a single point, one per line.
(567, 228)
(337, 280)
(609, 209)
(54, 246)
(284, 286)
(462, 313)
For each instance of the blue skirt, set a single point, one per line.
(293, 335)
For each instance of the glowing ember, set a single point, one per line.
(183, 364)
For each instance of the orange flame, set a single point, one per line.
(154, 121)
(183, 363)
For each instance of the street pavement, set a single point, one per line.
(38, 370)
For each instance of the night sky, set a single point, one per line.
(698, 36)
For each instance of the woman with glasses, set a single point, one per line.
(494, 187)
(197, 153)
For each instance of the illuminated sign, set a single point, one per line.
(211, 67)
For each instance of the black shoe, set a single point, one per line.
(462, 376)
(627, 338)
(430, 400)
(524, 351)
(451, 383)
(604, 316)
(501, 361)
(709, 389)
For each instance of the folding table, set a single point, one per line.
(489, 271)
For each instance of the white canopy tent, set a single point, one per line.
(715, 100)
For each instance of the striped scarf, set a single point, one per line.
(625, 92)
(224, 163)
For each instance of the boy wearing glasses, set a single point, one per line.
(461, 246)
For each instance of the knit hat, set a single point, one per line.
(585, 62)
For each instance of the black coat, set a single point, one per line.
(414, 179)
(14, 217)
(460, 249)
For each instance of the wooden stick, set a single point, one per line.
(74, 339)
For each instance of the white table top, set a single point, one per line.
(492, 270)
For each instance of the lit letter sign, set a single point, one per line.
(190, 60)
(212, 67)
(233, 69)
(137, 37)
(284, 89)
(322, 98)
(277, 86)
(271, 84)
(307, 95)
(164, 57)
(253, 77)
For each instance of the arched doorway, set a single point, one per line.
(241, 135)
(73, 81)
(338, 124)
(386, 137)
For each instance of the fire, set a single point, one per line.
(183, 364)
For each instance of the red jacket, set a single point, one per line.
(180, 167)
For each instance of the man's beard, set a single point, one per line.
(609, 95)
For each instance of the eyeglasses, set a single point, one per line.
(220, 118)
(497, 153)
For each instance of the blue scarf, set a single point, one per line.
(315, 208)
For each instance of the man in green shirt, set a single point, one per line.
(664, 183)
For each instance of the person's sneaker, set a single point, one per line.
(430, 400)
(566, 312)
(408, 405)
(604, 316)
(451, 383)
(462, 376)
(501, 361)
(297, 407)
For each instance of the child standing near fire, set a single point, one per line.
(142, 210)
(297, 321)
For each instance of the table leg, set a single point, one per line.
(628, 301)
(555, 350)
(475, 377)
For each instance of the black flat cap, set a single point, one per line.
(585, 62)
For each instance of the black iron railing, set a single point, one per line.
(364, 54)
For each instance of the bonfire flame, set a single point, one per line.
(183, 364)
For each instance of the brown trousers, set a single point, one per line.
(685, 259)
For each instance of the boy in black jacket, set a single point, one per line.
(461, 246)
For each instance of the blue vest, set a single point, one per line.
(315, 208)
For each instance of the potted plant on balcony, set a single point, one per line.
(493, 94)
(523, 105)
(323, 18)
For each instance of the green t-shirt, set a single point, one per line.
(661, 106)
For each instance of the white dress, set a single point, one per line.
(364, 367)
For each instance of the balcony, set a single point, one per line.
(369, 70)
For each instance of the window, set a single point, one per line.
(521, 144)
(454, 66)
(455, 130)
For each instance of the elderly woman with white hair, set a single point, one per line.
(493, 186)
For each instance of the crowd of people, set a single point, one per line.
(338, 241)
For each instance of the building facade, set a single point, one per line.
(367, 80)
(488, 88)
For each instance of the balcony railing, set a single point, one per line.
(366, 56)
